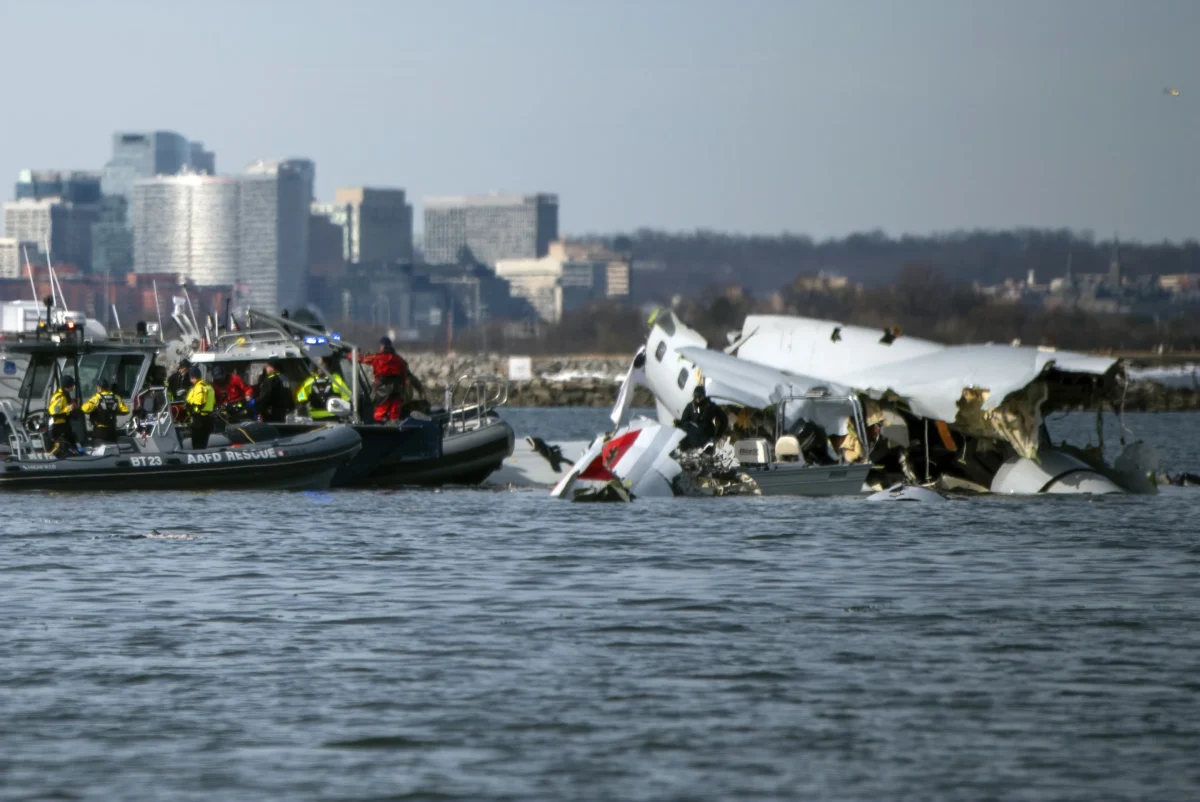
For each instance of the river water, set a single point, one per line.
(478, 645)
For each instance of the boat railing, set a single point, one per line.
(23, 443)
(472, 397)
(822, 395)
(152, 416)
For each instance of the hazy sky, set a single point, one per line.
(754, 116)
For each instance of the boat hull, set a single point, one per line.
(806, 480)
(303, 462)
(420, 453)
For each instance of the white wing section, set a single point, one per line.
(736, 379)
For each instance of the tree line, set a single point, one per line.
(762, 264)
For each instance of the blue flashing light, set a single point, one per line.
(337, 338)
(313, 340)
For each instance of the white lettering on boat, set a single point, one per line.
(233, 456)
(146, 462)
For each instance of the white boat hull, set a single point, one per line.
(785, 479)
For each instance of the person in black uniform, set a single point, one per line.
(103, 408)
(272, 398)
(180, 383)
(703, 421)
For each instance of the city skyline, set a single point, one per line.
(763, 117)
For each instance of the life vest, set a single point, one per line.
(104, 409)
(201, 399)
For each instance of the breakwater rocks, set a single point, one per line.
(554, 381)
(593, 381)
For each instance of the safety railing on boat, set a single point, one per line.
(822, 395)
(22, 443)
(480, 393)
(151, 414)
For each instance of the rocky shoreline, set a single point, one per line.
(571, 381)
(593, 381)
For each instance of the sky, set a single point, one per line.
(750, 116)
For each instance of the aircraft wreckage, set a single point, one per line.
(820, 408)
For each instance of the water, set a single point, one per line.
(498, 645)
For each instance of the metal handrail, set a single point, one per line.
(860, 425)
(23, 443)
(481, 393)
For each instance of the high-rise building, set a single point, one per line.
(13, 255)
(249, 231)
(187, 224)
(379, 224)
(490, 227)
(275, 204)
(112, 238)
(76, 186)
(65, 226)
(202, 161)
(144, 155)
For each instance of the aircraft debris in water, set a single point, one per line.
(825, 408)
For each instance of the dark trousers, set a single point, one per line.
(62, 435)
(103, 433)
(202, 426)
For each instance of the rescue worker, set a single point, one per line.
(201, 400)
(318, 389)
(231, 393)
(391, 373)
(60, 409)
(703, 421)
(179, 382)
(103, 408)
(272, 401)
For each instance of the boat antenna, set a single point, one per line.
(157, 310)
(191, 310)
(53, 278)
(116, 317)
(32, 286)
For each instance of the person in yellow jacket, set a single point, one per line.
(201, 400)
(60, 408)
(103, 408)
(318, 389)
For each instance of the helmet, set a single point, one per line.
(218, 373)
(386, 342)
(195, 372)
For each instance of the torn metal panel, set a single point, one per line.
(638, 457)
(994, 391)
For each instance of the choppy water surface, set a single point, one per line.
(499, 645)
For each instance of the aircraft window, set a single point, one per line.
(660, 351)
(683, 376)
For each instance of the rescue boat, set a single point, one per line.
(151, 453)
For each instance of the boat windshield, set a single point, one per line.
(41, 368)
(120, 369)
